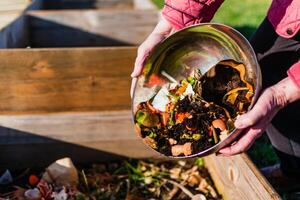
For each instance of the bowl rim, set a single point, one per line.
(235, 132)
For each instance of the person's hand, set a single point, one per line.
(162, 30)
(255, 122)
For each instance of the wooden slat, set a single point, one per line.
(237, 178)
(76, 128)
(73, 28)
(95, 133)
(62, 80)
(9, 5)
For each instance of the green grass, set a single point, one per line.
(246, 16)
(158, 3)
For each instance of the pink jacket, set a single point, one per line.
(283, 14)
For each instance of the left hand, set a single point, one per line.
(255, 122)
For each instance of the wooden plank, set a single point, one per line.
(73, 28)
(75, 128)
(9, 5)
(236, 178)
(62, 80)
(95, 133)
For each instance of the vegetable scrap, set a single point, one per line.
(128, 180)
(197, 113)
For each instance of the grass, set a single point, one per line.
(246, 16)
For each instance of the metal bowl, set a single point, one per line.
(200, 46)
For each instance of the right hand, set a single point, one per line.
(162, 30)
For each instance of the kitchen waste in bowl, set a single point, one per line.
(193, 86)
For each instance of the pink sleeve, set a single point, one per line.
(182, 13)
(294, 73)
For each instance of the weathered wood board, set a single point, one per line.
(37, 140)
(236, 178)
(52, 84)
(63, 80)
(75, 28)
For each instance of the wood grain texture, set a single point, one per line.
(78, 135)
(236, 178)
(62, 80)
(74, 128)
(74, 28)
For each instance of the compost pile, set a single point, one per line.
(188, 117)
(128, 180)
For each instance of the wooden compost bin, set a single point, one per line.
(75, 102)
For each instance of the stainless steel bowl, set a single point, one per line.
(200, 46)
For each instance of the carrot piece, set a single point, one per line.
(33, 180)
(181, 116)
(156, 80)
(165, 118)
(181, 90)
(210, 131)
